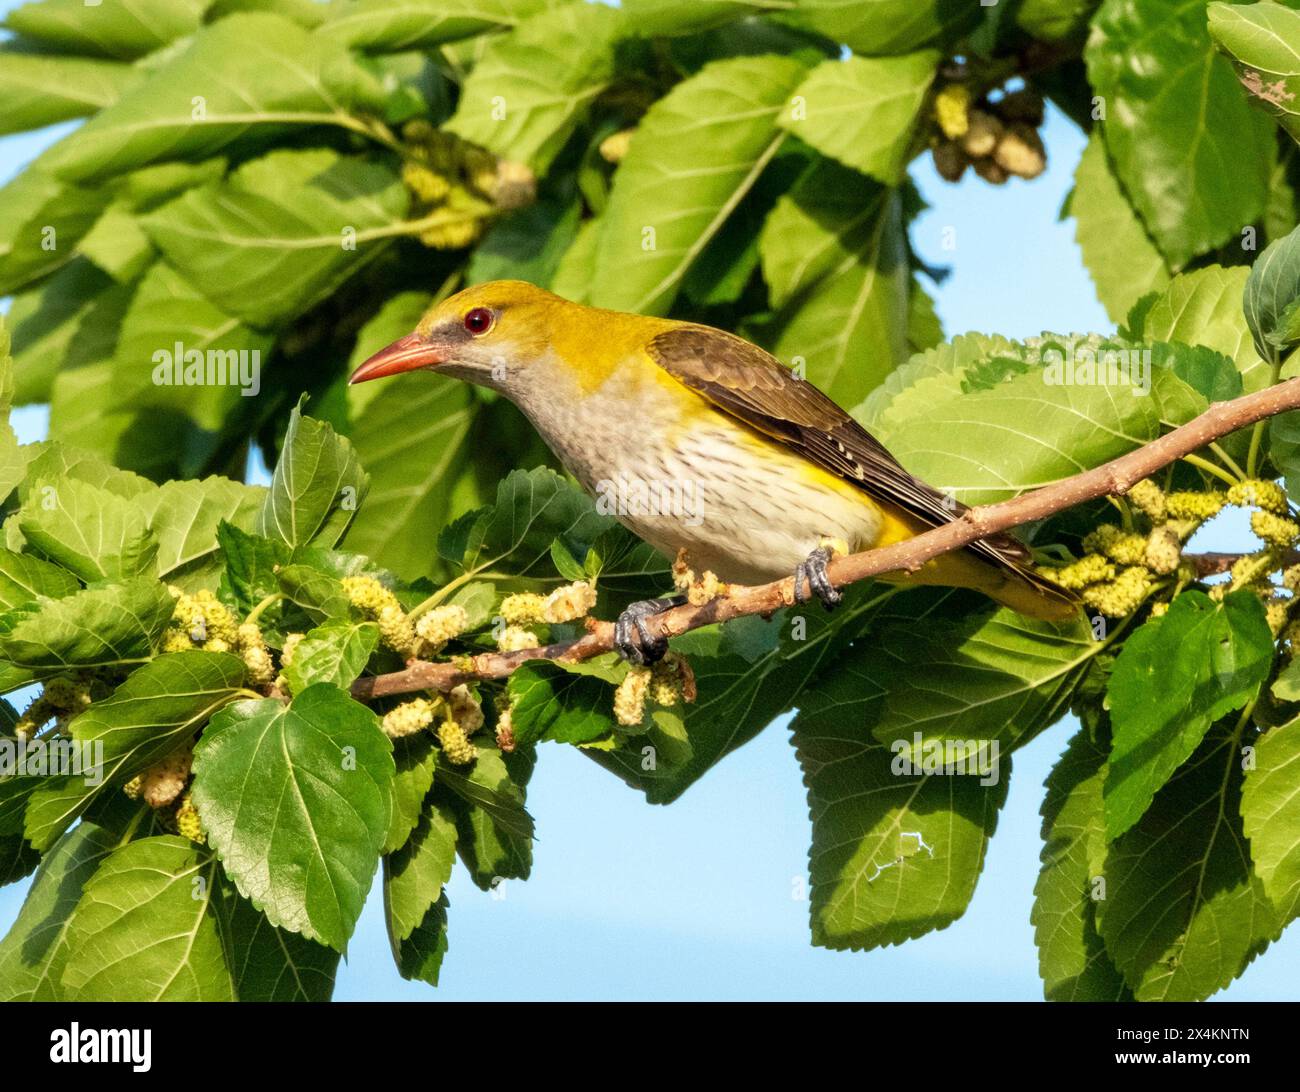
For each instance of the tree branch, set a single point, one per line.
(1110, 479)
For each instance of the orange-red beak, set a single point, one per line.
(403, 355)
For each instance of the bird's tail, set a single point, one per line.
(1009, 582)
(1025, 592)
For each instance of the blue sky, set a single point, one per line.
(698, 900)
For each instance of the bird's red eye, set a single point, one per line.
(478, 320)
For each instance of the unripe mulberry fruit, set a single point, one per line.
(1163, 551)
(505, 730)
(1020, 152)
(428, 185)
(1089, 569)
(1149, 499)
(950, 161)
(952, 110)
(1196, 506)
(1259, 494)
(456, 747)
(188, 824)
(516, 638)
(465, 709)
(1127, 549)
(408, 718)
(614, 147)
(439, 625)
(981, 136)
(162, 782)
(569, 603)
(1123, 595)
(523, 608)
(992, 172)
(1275, 610)
(395, 630)
(291, 642)
(1274, 529)
(630, 696)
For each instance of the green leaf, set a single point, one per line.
(144, 929)
(59, 460)
(334, 654)
(126, 29)
(862, 110)
(1262, 40)
(1204, 308)
(1054, 20)
(282, 232)
(180, 353)
(317, 486)
(1183, 914)
(17, 861)
(986, 677)
(97, 534)
(532, 509)
(117, 244)
(38, 90)
(302, 839)
(1106, 225)
(973, 392)
(1270, 815)
(270, 964)
(893, 856)
(155, 712)
(747, 672)
(250, 567)
(319, 594)
(416, 758)
(184, 517)
(834, 254)
(1188, 148)
(495, 831)
(420, 955)
(532, 87)
(1272, 293)
(247, 70)
(24, 579)
(44, 321)
(385, 26)
(526, 244)
(564, 703)
(885, 26)
(41, 222)
(101, 626)
(33, 953)
(1174, 677)
(1071, 957)
(414, 876)
(665, 205)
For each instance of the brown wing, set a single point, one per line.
(755, 388)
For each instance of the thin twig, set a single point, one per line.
(1110, 479)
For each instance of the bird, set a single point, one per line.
(698, 440)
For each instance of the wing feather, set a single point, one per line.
(755, 388)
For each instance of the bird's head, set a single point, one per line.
(487, 334)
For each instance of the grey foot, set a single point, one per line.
(813, 571)
(632, 638)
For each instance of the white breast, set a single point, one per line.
(742, 506)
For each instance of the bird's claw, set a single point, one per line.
(813, 571)
(633, 640)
